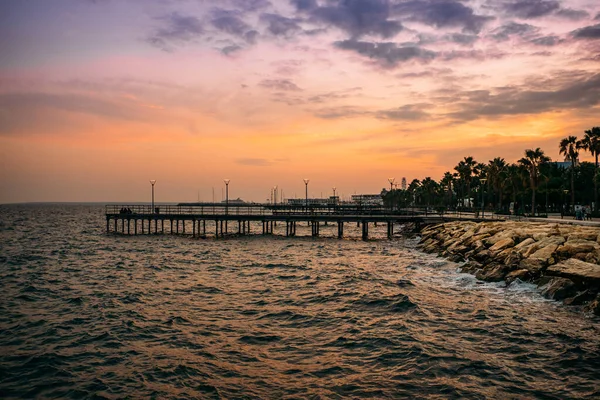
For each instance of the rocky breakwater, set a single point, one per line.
(563, 260)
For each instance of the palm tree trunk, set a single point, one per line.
(573, 186)
(596, 185)
(532, 200)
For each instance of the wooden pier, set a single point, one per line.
(216, 219)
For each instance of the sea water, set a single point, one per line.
(84, 314)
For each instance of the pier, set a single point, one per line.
(218, 220)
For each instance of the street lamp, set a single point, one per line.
(226, 195)
(483, 180)
(152, 182)
(275, 194)
(306, 192)
(334, 199)
(391, 181)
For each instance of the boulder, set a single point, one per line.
(572, 247)
(588, 234)
(580, 298)
(502, 244)
(537, 261)
(513, 258)
(524, 244)
(576, 270)
(594, 306)
(483, 256)
(471, 267)
(493, 273)
(559, 288)
(521, 274)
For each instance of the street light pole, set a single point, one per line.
(306, 192)
(334, 199)
(483, 180)
(275, 194)
(226, 195)
(152, 182)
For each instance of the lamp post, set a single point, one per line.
(226, 195)
(334, 199)
(483, 180)
(306, 192)
(152, 182)
(565, 191)
(275, 195)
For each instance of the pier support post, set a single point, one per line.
(171, 231)
(183, 225)
(193, 228)
(204, 227)
(128, 226)
(107, 225)
(155, 226)
(135, 226)
(365, 231)
(340, 229)
(116, 226)
(390, 229)
(162, 222)
(217, 228)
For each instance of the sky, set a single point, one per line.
(97, 97)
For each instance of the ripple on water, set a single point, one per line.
(86, 315)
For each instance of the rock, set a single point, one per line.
(591, 235)
(524, 244)
(580, 298)
(576, 270)
(457, 258)
(513, 258)
(502, 244)
(537, 261)
(483, 256)
(594, 306)
(572, 247)
(521, 274)
(559, 288)
(471, 266)
(493, 273)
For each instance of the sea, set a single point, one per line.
(90, 315)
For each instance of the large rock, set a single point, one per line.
(493, 273)
(594, 306)
(588, 234)
(572, 247)
(539, 260)
(559, 288)
(524, 244)
(576, 270)
(521, 274)
(502, 244)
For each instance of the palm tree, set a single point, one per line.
(446, 182)
(591, 143)
(570, 146)
(465, 170)
(532, 161)
(496, 175)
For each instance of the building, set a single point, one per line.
(368, 199)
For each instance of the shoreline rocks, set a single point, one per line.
(563, 260)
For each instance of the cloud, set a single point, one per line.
(529, 9)
(571, 14)
(547, 41)
(279, 25)
(178, 29)
(229, 22)
(227, 50)
(254, 162)
(386, 53)
(340, 112)
(441, 14)
(356, 17)
(461, 38)
(479, 55)
(250, 5)
(280, 84)
(577, 91)
(409, 112)
(504, 32)
(589, 32)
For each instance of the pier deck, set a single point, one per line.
(217, 218)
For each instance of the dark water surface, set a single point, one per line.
(87, 315)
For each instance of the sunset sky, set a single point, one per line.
(97, 97)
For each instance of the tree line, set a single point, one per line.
(534, 185)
